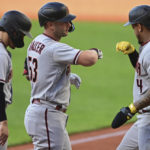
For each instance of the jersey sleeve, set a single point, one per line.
(3, 68)
(65, 54)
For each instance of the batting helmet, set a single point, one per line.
(55, 11)
(16, 24)
(139, 14)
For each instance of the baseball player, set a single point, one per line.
(138, 136)
(49, 62)
(14, 26)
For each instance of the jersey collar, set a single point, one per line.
(49, 37)
(144, 43)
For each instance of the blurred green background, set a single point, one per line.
(105, 88)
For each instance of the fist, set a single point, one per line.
(99, 52)
(125, 47)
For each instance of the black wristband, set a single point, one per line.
(134, 58)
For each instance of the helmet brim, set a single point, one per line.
(68, 18)
(126, 24)
(28, 34)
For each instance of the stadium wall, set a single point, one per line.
(85, 10)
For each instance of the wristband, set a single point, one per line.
(132, 108)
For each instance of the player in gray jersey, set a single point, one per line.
(49, 62)
(14, 26)
(138, 136)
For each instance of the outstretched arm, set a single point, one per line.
(89, 57)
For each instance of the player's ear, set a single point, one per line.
(140, 27)
(48, 25)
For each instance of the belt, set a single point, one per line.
(57, 106)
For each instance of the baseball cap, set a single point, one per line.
(139, 14)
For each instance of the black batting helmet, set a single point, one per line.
(55, 11)
(16, 24)
(139, 14)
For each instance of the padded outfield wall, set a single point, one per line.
(91, 10)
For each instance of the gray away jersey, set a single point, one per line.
(49, 67)
(6, 73)
(142, 74)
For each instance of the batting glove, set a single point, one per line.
(125, 114)
(99, 53)
(125, 47)
(75, 80)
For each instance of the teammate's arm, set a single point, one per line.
(127, 48)
(126, 113)
(25, 72)
(89, 57)
(3, 117)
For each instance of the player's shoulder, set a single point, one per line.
(146, 49)
(46, 40)
(50, 43)
(3, 51)
(145, 55)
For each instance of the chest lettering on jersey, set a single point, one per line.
(37, 47)
(139, 81)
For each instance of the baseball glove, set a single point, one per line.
(125, 47)
(125, 114)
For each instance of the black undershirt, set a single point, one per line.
(2, 103)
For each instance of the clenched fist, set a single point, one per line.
(3, 132)
(125, 47)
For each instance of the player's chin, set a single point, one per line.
(65, 34)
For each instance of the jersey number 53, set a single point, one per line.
(33, 64)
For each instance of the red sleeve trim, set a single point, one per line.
(75, 58)
(2, 81)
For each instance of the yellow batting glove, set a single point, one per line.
(125, 47)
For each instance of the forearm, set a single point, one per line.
(87, 58)
(133, 58)
(4, 123)
(143, 102)
(2, 104)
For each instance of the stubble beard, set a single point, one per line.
(59, 35)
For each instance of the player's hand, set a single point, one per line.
(125, 114)
(3, 132)
(99, 53)
(125, 47)
(75, 79)
(25, 72)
